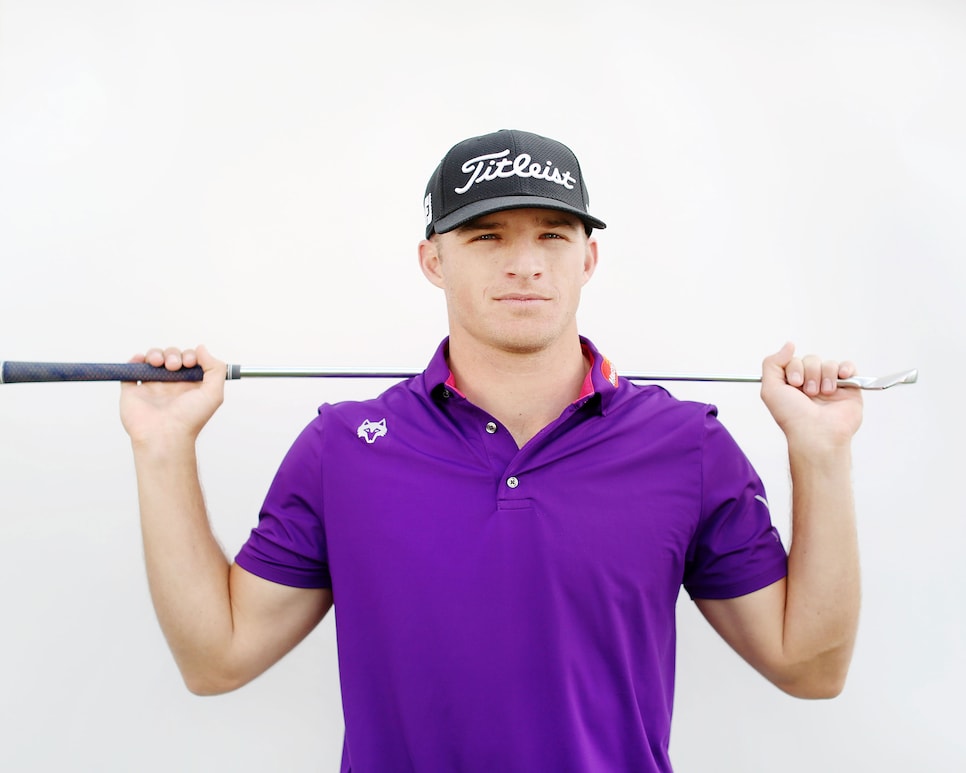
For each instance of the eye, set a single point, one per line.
(485, 237)
(552, 235)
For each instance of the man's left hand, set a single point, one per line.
(803, 396)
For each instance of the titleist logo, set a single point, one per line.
(494, 165)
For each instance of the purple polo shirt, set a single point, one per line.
(505, 609)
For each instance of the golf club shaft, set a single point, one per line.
(14, 372)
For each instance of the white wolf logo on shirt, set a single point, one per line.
(370, 430)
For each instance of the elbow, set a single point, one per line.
(206, 673)
(208, 683)
(815, 675)
(824, 688)
(204, 688)
(816, 681)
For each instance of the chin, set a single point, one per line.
(519, 342)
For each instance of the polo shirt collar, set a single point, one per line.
(603, 375)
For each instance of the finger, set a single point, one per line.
(795, 372)
(172, 358)
(830, 374)
(847, 369)
(189, 358)
(812, 371)
(155, 357)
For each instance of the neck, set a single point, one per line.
(524, 391)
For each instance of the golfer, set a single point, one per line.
(504, 536)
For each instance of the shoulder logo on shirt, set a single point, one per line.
(370, 430)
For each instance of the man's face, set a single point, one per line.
(512, 279)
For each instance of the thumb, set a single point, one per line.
(775, 367)
(215, 370)
(206, 360)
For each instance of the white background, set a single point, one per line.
(250, 175)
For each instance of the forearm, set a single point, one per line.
(823, 587)
(188, 573)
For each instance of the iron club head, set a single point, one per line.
(881, 382)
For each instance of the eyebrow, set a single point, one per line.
(480, 224)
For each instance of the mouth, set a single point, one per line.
(521, 298)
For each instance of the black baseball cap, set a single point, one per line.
(508, 169)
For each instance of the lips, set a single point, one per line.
(521, 297)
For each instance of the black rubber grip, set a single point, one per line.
(27, 372)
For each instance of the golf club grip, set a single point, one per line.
(31, 372)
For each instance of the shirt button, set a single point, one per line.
(491, 427)
(512, 482)
(446, 394)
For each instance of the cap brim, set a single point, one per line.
(488, 206)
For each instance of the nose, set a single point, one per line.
(524, 261)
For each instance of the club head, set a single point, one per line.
(881, 382)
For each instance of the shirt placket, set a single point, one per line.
(509, 464)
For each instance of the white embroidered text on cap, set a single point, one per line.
(483, 168)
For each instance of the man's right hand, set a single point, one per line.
(172, 411)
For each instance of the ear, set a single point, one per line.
(429, 262)
(590, 259)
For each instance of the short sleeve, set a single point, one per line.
(288, 545)
(736, 550)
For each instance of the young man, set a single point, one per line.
(505, 535)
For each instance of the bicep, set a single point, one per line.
(268, 620)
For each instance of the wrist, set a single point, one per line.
(820, 453)
(164, 446)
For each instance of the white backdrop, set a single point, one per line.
(250, 175)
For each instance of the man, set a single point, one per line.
(505, 535)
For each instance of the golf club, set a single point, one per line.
(14, 372)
